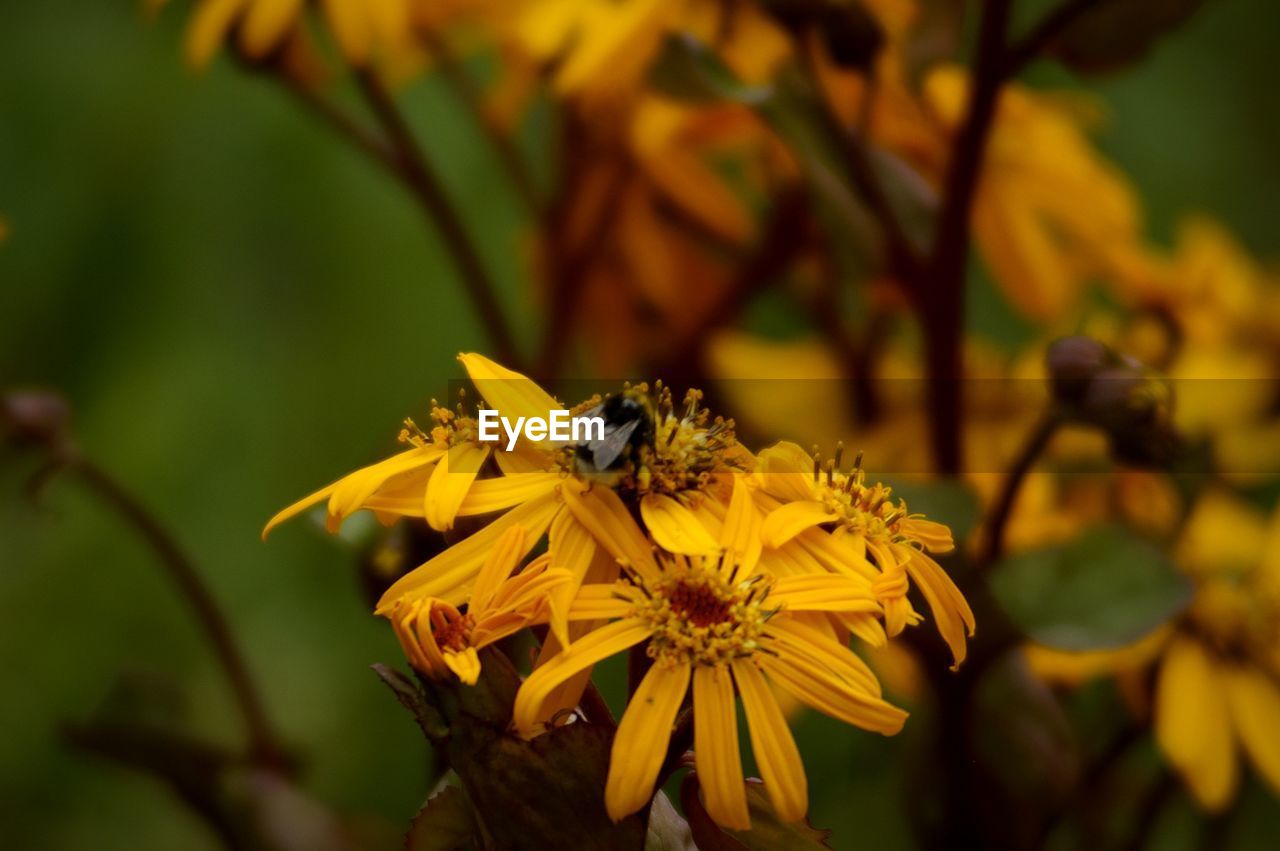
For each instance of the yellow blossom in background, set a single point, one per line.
(261, 27)
(603, 48)
(1218, 666)
(1218, 692)
(438, 639)
(1051, 214)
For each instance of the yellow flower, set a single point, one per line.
(1218, 667)
(673, 478)
(439, 640)
(1050, 214)
(714, 624)
(262, 27)
(605, 47)
(834, 520)
(434, 479)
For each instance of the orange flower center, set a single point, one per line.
(698, 616)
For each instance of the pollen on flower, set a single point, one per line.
(697, 615)
(866, 508)
(1238, 621)
(451, 629)
(451, 427)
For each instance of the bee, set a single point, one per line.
(628, 426)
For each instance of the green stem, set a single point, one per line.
(265, 749)
(426, 187)
(1037, 441)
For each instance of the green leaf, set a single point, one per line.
(411, 697)
(686, 69)
(1116, 33)
(767, 833)
(445, 823)
(1101, 591)
(1024, 745)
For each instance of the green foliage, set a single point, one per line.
(1114, 34)
(1102, 590)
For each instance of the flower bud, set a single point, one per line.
(34, 417)
(1072, 364)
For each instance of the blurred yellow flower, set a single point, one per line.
(262, 27)
(1050, 214)
(604, 47)
(1218, 667)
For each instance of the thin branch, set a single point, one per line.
(940, 295)
(504, 146)
(1041, 36)
(328, 114)
(265, 749)
(427, 189)
(1032, 449)
(903, 260)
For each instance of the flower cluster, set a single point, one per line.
(735, 572)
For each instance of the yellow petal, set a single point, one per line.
(771, 742)
(617, 37)
(786, 472)
(948, 606)
(824, 593)
(486, 496)
(1193, 725)
(450, 482)
(791, 519)
(265, 25)
(351, 29)
(674, 527)
(210, 23)
(572, 549)
(498, 565)
(1254, 699)
(509, 393)
(587, 651)
(640, 745)
(351, 492)
(845, 554)
(602, 512)
(740, 533)
(715, 747)
(802, 677)
(297, 508)
(466, 664)
(450, 575)
(935, 536)
(804, 639)
(600, 602)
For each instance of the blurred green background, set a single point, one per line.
(240, 310)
